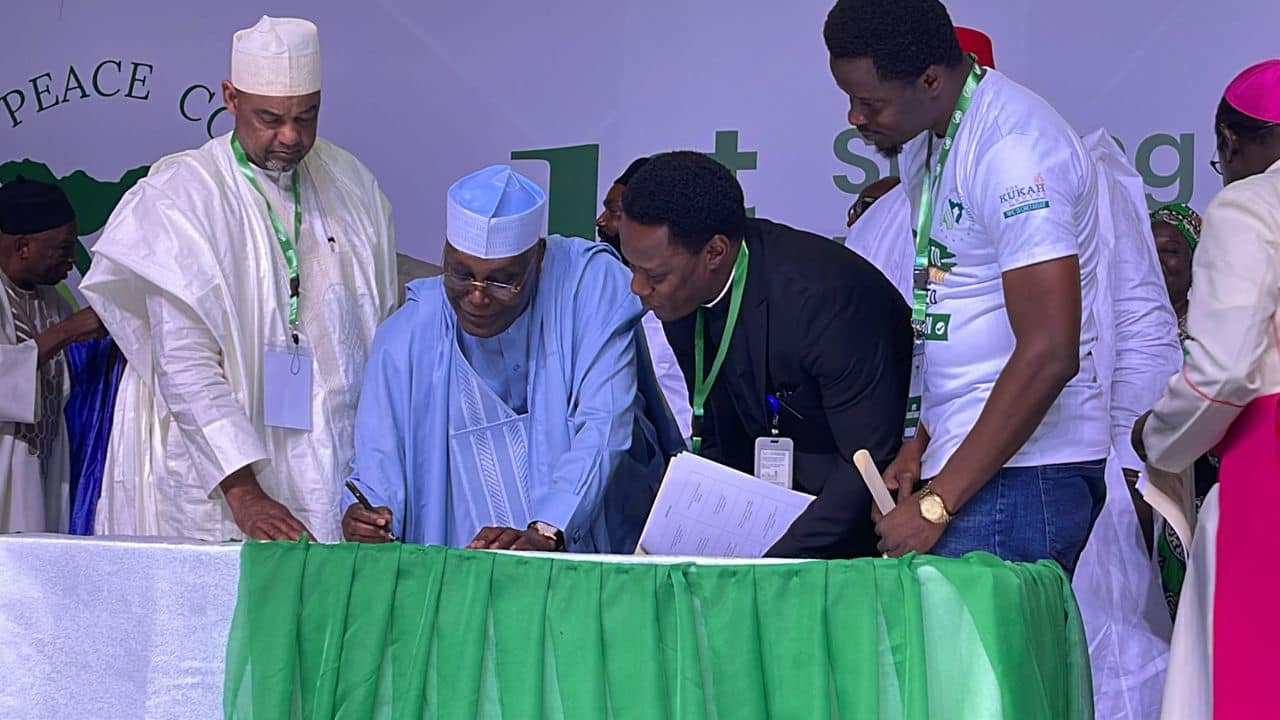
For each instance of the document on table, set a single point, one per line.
(708, 510)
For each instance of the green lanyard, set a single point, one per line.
(702, 384)
(924, 221)
(286, 245)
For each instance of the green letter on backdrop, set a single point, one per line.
(571, 199)
(1183, 174)
(843, 148)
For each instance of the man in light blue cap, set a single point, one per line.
(504, 406)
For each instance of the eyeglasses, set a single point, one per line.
(462, 282)
(1227, 131)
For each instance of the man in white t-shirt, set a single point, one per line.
(1013, 430)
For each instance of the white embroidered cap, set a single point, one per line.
(279, 57)
(495, 213)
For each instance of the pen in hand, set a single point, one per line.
(364, 502)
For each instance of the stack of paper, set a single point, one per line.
(705, 509)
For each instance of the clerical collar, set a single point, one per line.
(725, 290)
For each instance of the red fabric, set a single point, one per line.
(978, 43)
(1245, 632)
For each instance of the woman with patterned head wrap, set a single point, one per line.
(1176, 228)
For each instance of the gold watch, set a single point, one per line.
(932, 508)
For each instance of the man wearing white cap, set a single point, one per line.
(502, 407)
(243, 281)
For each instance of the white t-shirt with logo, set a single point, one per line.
(1018, 189)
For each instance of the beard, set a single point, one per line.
(282, 159)
(613, 241)
(277, 165)
(890, 152)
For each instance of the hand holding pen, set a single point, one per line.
(363, 522)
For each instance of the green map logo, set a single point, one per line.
(955, 215)
(109, 80)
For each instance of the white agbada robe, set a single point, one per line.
(32, 498)
(1116, 581)
(190, 280)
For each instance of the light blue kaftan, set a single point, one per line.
(444, 437)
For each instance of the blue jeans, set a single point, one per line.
(1026, 514)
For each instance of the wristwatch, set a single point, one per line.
(550, 532)
(932, 508)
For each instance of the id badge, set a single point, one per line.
(286, 386)
(775, 458)
(915, 396)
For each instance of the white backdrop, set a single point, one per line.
(424, 92)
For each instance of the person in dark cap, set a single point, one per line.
(37, 245)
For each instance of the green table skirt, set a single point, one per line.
(405, 631)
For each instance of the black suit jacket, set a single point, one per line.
(824, 331)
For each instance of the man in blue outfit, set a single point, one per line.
(502, 407)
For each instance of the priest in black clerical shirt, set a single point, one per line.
(819, 342)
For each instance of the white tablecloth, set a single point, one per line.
(115, 629)
(104, 629)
